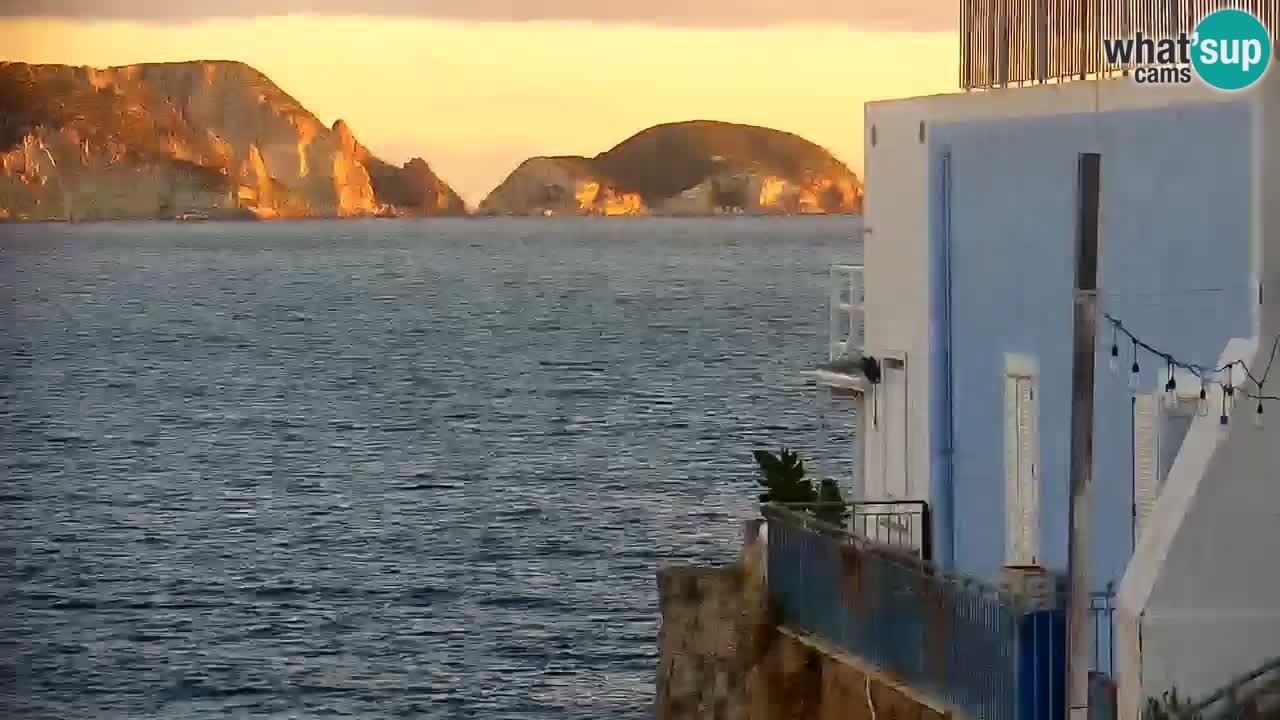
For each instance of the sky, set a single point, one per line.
(477, 86)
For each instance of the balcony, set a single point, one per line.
(964, 642)
(846, 329)
(864, 584)
(1015, 42)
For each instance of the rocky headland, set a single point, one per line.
(193, 139)
(688, 168)
(220, 140)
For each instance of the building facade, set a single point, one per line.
(972, 210)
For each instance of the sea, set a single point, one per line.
(386, 468)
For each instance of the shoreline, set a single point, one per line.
(410, 218)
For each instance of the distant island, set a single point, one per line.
(220, 140)
(688, 168)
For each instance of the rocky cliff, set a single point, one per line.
(207, 138)
(722, 655)
(690, 168)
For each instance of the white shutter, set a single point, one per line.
(1029, 495)
(1022, 495)
(1013, 523)
(893, 436)
(1146, 450)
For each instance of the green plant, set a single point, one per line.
(783, 477)
(1169, 707)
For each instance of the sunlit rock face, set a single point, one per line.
(560, 186)
(170, 139)
(693, 168)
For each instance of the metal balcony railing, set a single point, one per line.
(902, 525)
(1102, 682)
(963, 641)
(847, 329)
(1254, 695)
(1102, 614)
(1011, 42)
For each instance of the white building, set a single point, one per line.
(974, 205)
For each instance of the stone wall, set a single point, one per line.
(721, 656)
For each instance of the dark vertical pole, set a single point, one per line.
(947, 496)
(926, 534)
(1133, 473)
(1083, 358)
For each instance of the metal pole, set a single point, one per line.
(1133, 474)
(1083, 359)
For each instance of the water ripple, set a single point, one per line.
(383, 469)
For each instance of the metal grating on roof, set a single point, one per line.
(1015, 42)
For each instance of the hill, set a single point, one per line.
(205, 138)
(687, 168)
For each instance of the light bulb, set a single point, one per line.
(1115, 359)
(1257, 417)
(1133, 377)
(1202, 407)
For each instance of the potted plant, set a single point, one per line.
(784, 481)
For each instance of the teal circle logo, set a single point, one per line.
(1232, 49)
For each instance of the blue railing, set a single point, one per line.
(961, 641)
(904, 525)
(1102, 683)
(1102, 613)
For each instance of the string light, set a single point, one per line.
(1136, 372)
(1224, 376)
(1229, 390)
(1115, 352)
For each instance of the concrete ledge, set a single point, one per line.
(879, 685)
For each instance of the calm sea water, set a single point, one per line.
(383, 469)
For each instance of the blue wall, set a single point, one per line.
(1174, 268)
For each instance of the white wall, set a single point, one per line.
(1266, 206)
(897, 225)
(1200, 603)
(1206, 585)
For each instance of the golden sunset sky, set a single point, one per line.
(475, 92)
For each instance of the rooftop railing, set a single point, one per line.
(1012, 42)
